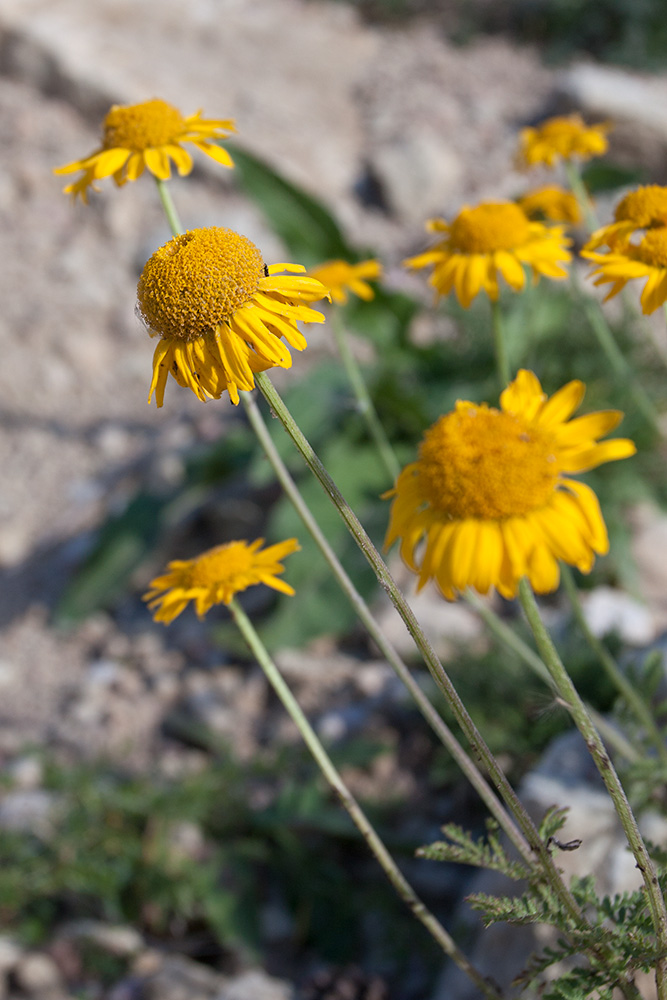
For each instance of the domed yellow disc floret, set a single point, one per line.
(196, 281)
(142, 126)
(489, 500)
(488, 227)
(220, 313)
(479, 462)
(562, 137)
(491, 239)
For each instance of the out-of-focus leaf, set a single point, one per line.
(305, 226)
(124, 541)
(599, 176)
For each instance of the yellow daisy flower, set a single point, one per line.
(490, 494)
(647, 260)
(495, 237)
(645, 208)
(221, 313)
(147, 136)
(563, 137)
(553, 203)
(216, 576)
(341, 278)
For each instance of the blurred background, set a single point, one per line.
(162, 834)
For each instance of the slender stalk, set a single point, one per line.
(437, 724)
(431, 660)
(611, 667)
(169, 207)
(500, 346)
(364, 402)
(581, 194)
(515, 643)
(611, 780)
(324, 762)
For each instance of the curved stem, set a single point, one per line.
(431, 660)
(169, 207)
(359, 818)
(437, 724)
(611, 667)
(364, 402)
(611, 780)
(500, 346)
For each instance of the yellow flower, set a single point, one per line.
(216, 576)
(491, 239)
(645, 208)
(565, 137)
(647, 260)
(147, 136)
(551, 202)
(220, 312)
(341, 277)
(491, 497)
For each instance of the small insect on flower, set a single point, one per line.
(221, 314)
(216, 576)
(490, 498)
(148, 136)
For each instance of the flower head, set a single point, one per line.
(491, 497)
(147, 136)
(341, 278)
(494, 238)
(552, 203)
(221, 313)
(216, 576)
(648, 259)
(564, 137)
(645, 208)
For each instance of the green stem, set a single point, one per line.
(515, 643)
(431, 660)
(500, 346)
(169, 207)
(362, 396)
(617, 361)
(611, 667)
(581, 194)
(437, 724)
(393, 873)
(598, 752)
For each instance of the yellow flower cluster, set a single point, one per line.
(490, 498)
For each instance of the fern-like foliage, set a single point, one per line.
(488, 852)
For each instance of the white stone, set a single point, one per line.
(36, 973)
(609, 610)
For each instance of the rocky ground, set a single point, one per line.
(340, 107)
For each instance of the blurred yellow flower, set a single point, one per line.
(341, 278)
(563, 137)
(491, 239)
(490, 494)
(216, 576)
(645, 208)
(553, 203)
(147, 136)
(221, 313)
(648, 259)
